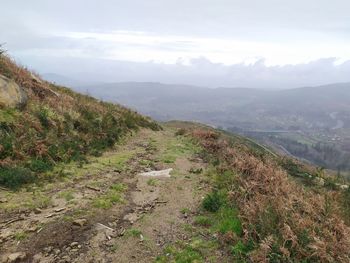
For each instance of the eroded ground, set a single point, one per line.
(105, 211)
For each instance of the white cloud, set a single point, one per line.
(144, 46)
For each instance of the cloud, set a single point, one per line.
(199, 71)
(250, 43)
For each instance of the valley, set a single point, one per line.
(311, 123)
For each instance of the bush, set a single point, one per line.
(180, 132)
(213, 201)
(43, 116)
(40, 166)
(15, 177)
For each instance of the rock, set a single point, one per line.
(6, 233)
(162, 173)
(66, 259)
(74, 244)
(344, 187)
(48, 249)
(132, 217)
(80, 222)
(14, 257)
(37, 211)
(11, 95)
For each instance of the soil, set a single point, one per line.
(78, 223)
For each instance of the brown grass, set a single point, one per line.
(285, 221)
(56, 125)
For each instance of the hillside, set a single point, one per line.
(88, 181)
(311, 123)
(54, 125)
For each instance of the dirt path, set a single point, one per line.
(105, 211)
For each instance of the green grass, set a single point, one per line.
(39, 200)
(185, 210)
(8, 116)
(203, 221)
(112, 197)
(227, 221)
(133, 232)
(152, 182)
(19, 236)
(67, 195)
(146, 163)
(178, 147)
(197, 250)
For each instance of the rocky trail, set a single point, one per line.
(128, 205)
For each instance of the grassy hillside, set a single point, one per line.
(57, 125)
(226, 198)
(265, 208)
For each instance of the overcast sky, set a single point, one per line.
(223, 38)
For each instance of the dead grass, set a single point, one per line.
(284, 220)
(57, 125)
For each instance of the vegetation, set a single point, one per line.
(56, 126)
(261, 215)
(111, 197)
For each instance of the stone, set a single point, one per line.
(80, 222)
(162, 173)
(66, 259)
(74, 244)
(132, 217)
(14, 257)
(37, 211)
(11, 95)
(344, 187)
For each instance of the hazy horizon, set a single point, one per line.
(236, 43)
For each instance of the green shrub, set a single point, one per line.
(40, 166)
(180, 132)
(241, 249)
(15, 177)
(43, 116)
(213, 201)
(6, 143)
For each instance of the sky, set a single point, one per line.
(270, 43)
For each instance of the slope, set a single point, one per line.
(179, 192)
(54, 125)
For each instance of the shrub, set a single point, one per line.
(213, 201)
(180, 132)
(286, 221)
(43, 116)
(15, 177)
(39, 166)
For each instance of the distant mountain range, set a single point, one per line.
(309, 107)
